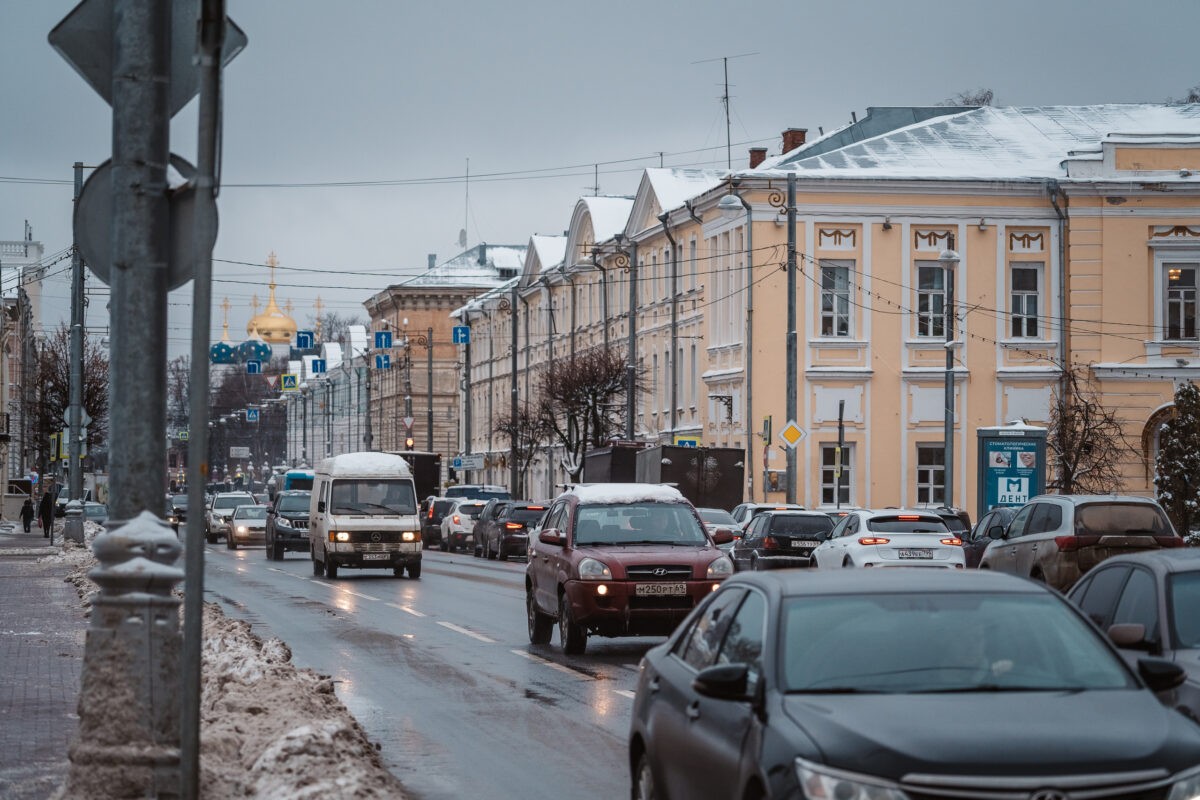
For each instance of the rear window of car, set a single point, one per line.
(440, 507)
(233, 501)
(471, 511)
(716, 516)
(526, 514)
(179, 501)
(788, 524)
(955, 523)
(907, 523)
(1100, 519)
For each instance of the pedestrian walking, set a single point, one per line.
(46, 513)
(27, 514)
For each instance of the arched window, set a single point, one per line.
(1150, 435)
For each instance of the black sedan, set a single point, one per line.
(976, 540)
(901, 684)
(780, 539)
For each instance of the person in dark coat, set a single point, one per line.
(46, 513)
(27, 514)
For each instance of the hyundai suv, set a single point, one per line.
(1056, 538)
(619, 559)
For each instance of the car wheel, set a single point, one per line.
(398, 572)
(643, 780)
(478, 551)
(571, 637)
(230, 543)
(278, 548)
(318, 568)
(491, 554)
(540, 625)
(847, 562)
(414, 570)
(330, 569)
(754, 567)
(445, 545)
(210, 537)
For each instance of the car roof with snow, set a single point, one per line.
(365, 465)
(617, 493)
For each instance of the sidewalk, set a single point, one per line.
(42, 629)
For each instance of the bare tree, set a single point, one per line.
(527, 435)
(1193, 96)
(179, 377)
(334, 327)
(53, 381)
(1086, 440)
(579, 402)
(971, 97)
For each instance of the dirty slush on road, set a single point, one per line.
(267, 728)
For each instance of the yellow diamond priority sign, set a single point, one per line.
(792, 433)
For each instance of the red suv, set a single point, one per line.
(619, 559)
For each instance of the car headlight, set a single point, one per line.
(242, 529)
(409, 536)
(1187, 786)
(721, 568)
(819, 782)
(592, 570)
(283, 522)
(341, 536)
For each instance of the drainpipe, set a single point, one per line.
(1056, 192)
(749, 337)
(571, 280)
(466, 443)
(631, 354)
(603, 297)
(674, 318)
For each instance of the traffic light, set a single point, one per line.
(408, 443)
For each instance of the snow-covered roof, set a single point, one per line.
(332, 353)
(549, 249)
(626, 493)
(609, 215)
(358, 340)
(466, 269)
(988, 143)
(673, 186)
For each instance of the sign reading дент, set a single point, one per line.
(1012, 465)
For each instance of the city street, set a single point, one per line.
(440, 672)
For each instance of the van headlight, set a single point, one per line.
(820, 781)
(409, 536)
(592, 570)
(339, 536)
(721, 568)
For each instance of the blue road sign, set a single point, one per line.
(318, 366)
(383, 361)
(305, 340)
(462, 334)
(289, 382)
(383, 340)
(251, 415)
(253, 367)
(457, 463)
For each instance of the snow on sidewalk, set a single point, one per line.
(267, 728)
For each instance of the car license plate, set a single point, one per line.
(916, 553)
(376, 556)
(798, 543)
(660, 589)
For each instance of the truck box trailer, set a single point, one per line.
(710, 477)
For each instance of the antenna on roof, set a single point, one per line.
(595, 187)
(725, 101)
(462, 235)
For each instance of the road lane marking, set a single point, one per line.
(553, 665)
(625, 693)
(406, 609)
(465, 632)
(357, 594)
(289, 574)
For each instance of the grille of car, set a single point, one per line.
(369, 547)
(299, 524)
(369, 537)
(659, 572)
(1147, 785)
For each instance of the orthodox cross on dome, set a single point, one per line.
(319, 306)
(288, 307)
(225, 306)
(254, 304)
(272, 262)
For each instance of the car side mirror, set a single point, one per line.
(723, 682)
(722, 536)
(996, 532)
(1131, 635)
(320, 506)
(551, 536)
(1161, 675)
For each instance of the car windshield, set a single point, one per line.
(638, 523)
(716, 516)
(294, 502)
(907, 523)
(941, 642)
(95, 511)
(1099, 519)
(250, 512)
(526, 514)
(1185, 597)
(233, 501)
(784, 523)
(373, 497)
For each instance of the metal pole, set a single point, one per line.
(790, 410)
(664, 218)
(304, 426)
(328, 418)
(514, 473)
(466, 443)
(368, 438)
(749, 424)
(211, 38)
(949, 261)
(841, 454)
(631, 355)
(75, 413)
(429, 390)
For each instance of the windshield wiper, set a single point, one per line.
(837, 690)
(995, 687)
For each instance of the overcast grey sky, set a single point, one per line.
(384, 90)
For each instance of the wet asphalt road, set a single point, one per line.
(440, 672)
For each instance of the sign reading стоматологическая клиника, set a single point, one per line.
(1012, 465)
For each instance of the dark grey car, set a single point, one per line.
(1149, 603)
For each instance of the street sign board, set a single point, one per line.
(408, 421)
(317, 366)
(383, 340)
(289, 382)
(470, 461)
(792, 434)
(239, 452)
(456, 463)
(383, 361)
(183, 436)
(686, 441)
(253, 367)
(305, 340)
(251, 415)
(84, 39)
(461, 334)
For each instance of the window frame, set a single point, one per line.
(1166, 266)
(1037, 295)
(847, 477)
(931, 322)
(935, 491)
(833, 315)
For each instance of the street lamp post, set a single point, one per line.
(776, 200)
(949, 263)
(304, 424)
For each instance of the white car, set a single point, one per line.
(893, 537)
(219, 516)
(459, 523)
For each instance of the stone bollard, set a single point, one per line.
(73, 525)
(128, 742)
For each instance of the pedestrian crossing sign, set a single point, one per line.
(289, 382)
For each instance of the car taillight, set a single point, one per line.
(431, 512)
(769, 543)
(873, 540)
(455, 519)
(953, 540)
(1169, 541)
(1067, 544)
(513, 526)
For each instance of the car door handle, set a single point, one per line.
(693, 710)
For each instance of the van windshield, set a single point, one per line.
(379, 497)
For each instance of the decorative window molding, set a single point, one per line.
(837, 238)
(1026, 241)
(930, 241)
(1174, 232)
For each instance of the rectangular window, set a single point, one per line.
(835, 298)
(1181, 301)
(1026, 301)
(829, 474)
(692, 265)
(931, 299)
(931, 474)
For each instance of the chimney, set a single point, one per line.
(432, 260)
(757, 156)
(482, 254)
(793, 138)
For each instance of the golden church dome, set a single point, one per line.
(274, 326)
